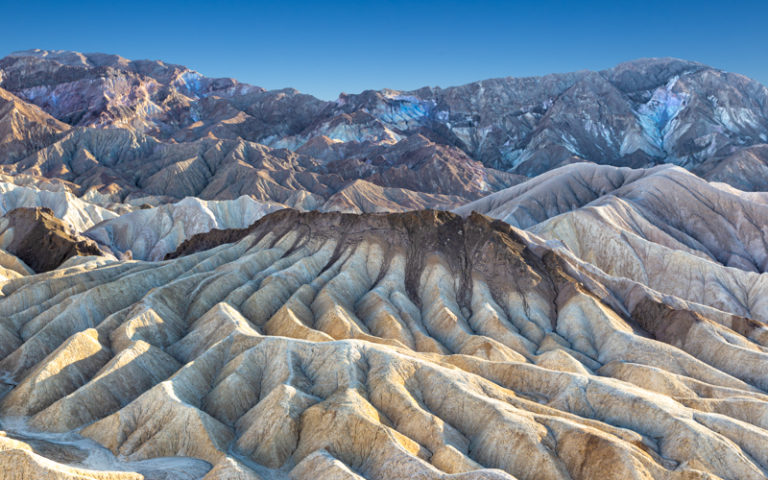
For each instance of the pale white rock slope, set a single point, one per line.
(664, 227)
(149, 234)
(12, 266)
(77, 213)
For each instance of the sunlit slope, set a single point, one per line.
(387, 346)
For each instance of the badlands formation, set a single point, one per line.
(423, 344)
(205, 280)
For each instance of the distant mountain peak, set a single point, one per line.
(462, 141)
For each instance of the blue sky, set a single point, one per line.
(324, 48)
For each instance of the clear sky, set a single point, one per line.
(325, 48)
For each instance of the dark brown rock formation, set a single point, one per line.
(43, 241)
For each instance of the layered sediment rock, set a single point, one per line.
(664, 228)
(380, 346)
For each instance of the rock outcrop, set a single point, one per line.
(41, 240)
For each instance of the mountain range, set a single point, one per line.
(121, 128)
(560, 277)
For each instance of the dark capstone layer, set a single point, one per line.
(43, 241)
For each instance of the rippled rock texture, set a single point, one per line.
(386, 346)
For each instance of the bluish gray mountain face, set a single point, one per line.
(129, 124)
(553, 278)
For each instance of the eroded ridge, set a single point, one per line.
(416, 345)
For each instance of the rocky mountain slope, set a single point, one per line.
(141, 231)
(77, 213)
(124, 127)
(150, 234)
(383, 346)
(132, 125)
(664, 228)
